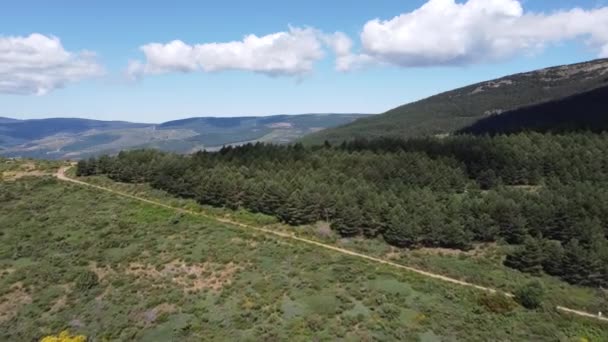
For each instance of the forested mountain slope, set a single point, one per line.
(454, 110)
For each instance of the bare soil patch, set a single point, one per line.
(394, 254)
(102, 272)
(15, 175)
(62, 301)
(12, 301)
(244, 242)
(190, 277)
(440, 251)
(5, 272)
(478, 250)
(323, 229)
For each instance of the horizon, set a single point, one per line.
(63, 61)
(195, 116)
(184, 118)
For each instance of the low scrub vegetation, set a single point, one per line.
(497, 302)
(146, 260)
(531, 295)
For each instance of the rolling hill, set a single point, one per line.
(71, 138)
(457, 109)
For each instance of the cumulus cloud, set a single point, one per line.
(292, 52)
(342, 45)
(439, 33)
(446, 32)
(339, 42)
(38, 64)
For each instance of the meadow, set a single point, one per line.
(113, 268)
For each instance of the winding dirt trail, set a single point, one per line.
(62, 176)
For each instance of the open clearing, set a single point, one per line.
(386, 260)
(162, 275)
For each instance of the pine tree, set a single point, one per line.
(511, 222)
(348, 218)
(401, 230)
(554, 258)
(528, 258)
(487, 179)
(82, 168)
(575, 266)
(297, 211)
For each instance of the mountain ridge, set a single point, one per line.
(552, 116)
(74, 138)
(454, 110)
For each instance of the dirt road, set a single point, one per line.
(62, 176)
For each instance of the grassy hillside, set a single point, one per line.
(115, 269)
(460, 108)
(79, 138)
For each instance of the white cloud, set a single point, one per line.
(284, 53)
(446, 32)
(38, 64)
(342, 46)
(339, 42)
(604, 52)
(440, 32)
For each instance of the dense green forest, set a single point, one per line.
(547, 194)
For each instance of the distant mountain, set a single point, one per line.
(40, 128)
(457, 109)
(65, 138)
(7, 120)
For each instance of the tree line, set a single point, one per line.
(547, 194)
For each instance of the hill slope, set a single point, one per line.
(454, 110)
(61, 138)
(586, 111)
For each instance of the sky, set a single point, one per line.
(154, 61)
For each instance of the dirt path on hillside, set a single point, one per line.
(62, 176)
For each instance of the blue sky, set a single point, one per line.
(389, 76)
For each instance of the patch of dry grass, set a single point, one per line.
(190, 277)
(12, 301)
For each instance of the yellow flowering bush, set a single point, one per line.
(65, 336)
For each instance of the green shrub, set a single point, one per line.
(389, 311)
(86, 280)
(530, 295)
(497, 303)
